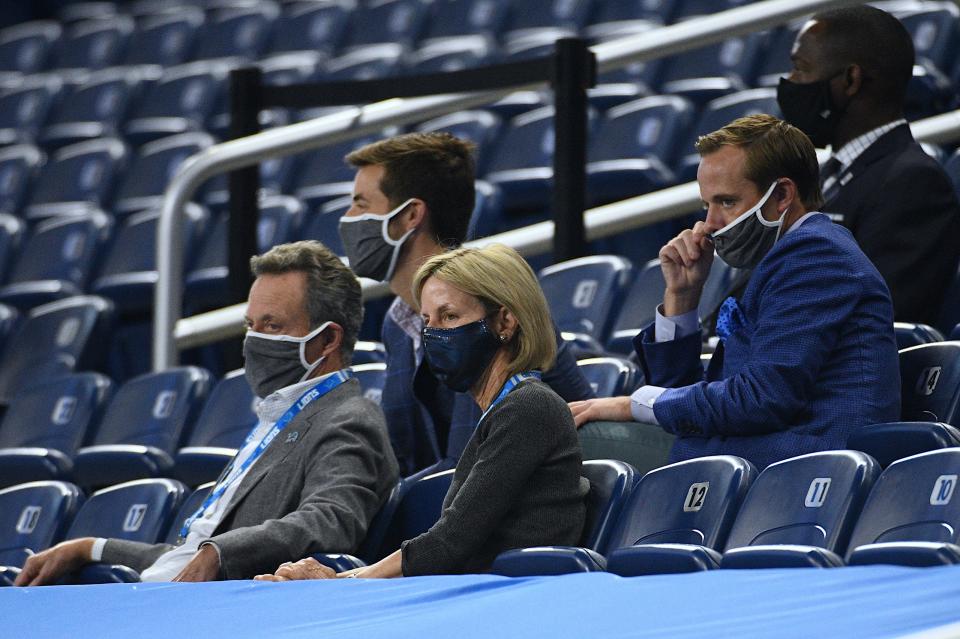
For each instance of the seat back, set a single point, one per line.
(241, 31)
(77, 176)
(94, 109)
(480, 127)
(371, 377)
(23, 110)
(418, 510)
(934, 33)
(810, 500)
(139, 510)
(609, 376)
(154, 409)
(228, 415)
(639, 307)
(524, 152)
(729, 65)
(381, 522)
(165, 39)
(930, 383)
(19, 165)
(26, 47)
(323, 224)
(55, 338)
(584, 294)
(457, 18)
(895, 440)
(93, 44)
(324, 175)
(648, 127)
(611, 483)
(689, 502)
(399, 21)
(189, 506)
(310, 26)
(540, 14)
(909, 334)
(56, 413)
(33, 517)
(913, 500)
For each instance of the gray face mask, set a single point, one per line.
(745, 241)
(366, 240)
(273, 362)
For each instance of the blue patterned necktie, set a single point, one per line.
(724, 318)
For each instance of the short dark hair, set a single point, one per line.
(774, 149)
(435, 167)
(332, 293)
(874, 40)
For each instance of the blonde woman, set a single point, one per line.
(487, 331)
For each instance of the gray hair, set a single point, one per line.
(333, 291)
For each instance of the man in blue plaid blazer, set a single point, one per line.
(806, 354)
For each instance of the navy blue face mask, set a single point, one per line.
(459, 356)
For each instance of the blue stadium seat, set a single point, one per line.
(371, 377)
(181, 101)
(611, 484)
(679, 516)
(536, 15)
(146, 179)
(12, 231)
(206, 283)
(57, 259)
(446, 56)
(692, 8)
(585, 294)
(891, 441)
(55, 338)
(609, 376)
(142, 427)
(717, 287)
(713, 71)
(189, 506)
(322, 224)
(26, 47)
(800, 511)
(911, 518)
(77, 178)
(227, 417)
(95, 109)
(393, 21)
(457, 19)
(639, 308)
(522, 161)
(930, 383)
(128, 273)
(487, 217)
(775, 62)
(241, 32)
(909, 334)
(138, 510)
(19, 166)
(634, 146)
(716, 114)
(371, 62)
(952, 167)
(324, 175)
(950, 311)
(91, 45)
(480, 127)
(46, 423)
(80, 11)
(626, 14)
(311, 26)
(10, 319)
(33, 517)
(24, 109)
(366, 352)
(165, 39)
(934, 31)
(929, 92)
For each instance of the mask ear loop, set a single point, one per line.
(303, 351)
(396, 244)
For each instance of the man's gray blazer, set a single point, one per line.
(315, 489)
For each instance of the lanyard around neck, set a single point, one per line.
(230, 477)
(509, 386)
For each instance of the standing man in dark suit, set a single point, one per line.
(806, 354)
(851, 67)
(412, 199)
(313, 471)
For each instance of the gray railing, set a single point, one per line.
(170, 333)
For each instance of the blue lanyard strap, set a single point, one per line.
(509, 386)
(229, 476)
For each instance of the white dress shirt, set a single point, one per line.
(268, 410)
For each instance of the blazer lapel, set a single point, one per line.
(892, 142)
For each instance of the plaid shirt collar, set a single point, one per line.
(856, 147)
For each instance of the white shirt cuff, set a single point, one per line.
(96, 552)
(677, 326)
(642, 401)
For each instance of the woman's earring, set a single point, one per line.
(503, 337)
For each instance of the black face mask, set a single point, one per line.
(459, 356)
(809, 108)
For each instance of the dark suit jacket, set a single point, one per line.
(313, 493)
(902, 209)
(811, 355)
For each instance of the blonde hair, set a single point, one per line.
(499, 277)
(774, 149)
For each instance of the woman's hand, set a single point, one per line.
(389, 566)
(602, 409)
(308, 568)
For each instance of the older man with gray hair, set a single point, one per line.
(313, 471)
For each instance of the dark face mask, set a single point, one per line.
(810, 108)
(459, 356)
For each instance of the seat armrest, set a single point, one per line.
(339, 562)
(780, 556)
(661, 559)
(919, 554)
(547, 560)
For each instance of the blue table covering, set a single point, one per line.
(880, 601)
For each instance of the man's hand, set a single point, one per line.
(308, 568)
(685, 262)
(205, 566)
(48, 566)
(603, 409)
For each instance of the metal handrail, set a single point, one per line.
(356, 122)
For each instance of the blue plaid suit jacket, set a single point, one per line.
(812, 354)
